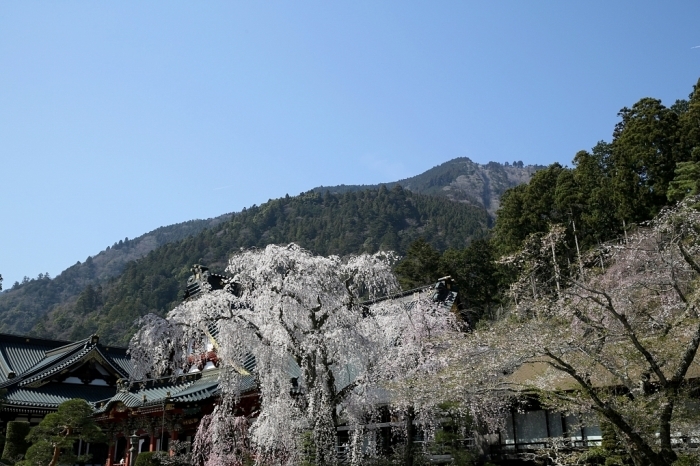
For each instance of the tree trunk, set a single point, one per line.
(410, 435)
(666, 450)
(56, 454)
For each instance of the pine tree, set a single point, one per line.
(53, 439)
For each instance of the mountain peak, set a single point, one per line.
(460, 180)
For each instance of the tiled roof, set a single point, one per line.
(186, 389)
(50, 396)
(26, 363)
(19, 353)
(53, 364)
(121, 360)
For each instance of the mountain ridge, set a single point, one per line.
(47, 307)
(459, 179)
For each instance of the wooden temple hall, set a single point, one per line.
(39, 374)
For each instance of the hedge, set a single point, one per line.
(15, 443)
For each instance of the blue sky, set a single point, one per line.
(120, 117)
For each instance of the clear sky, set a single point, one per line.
(120, 117)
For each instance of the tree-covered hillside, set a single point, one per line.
(24, 302)
(326, 223)
(460, 180)
(652, 161)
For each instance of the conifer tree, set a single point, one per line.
(53, 439)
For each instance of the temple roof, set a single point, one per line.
(187, 388)
(50, 396)
(42, 373)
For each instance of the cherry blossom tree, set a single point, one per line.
(617, 338)
(324, 345)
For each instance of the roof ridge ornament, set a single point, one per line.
(203, 281)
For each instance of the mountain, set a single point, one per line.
(26, 301)
(352, 222)
(146, 274)
(460, 180)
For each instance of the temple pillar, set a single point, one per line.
(152, 443)
(173, 436)
(110, 454)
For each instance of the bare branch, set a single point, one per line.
(688, 258)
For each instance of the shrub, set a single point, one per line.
(147, 458)
(15, 443)
(686, 460)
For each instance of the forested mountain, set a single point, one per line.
(652, 161)
(326, 223)
(460, 180)
(25, 301)
(22, 304)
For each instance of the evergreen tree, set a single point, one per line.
(598, 221)
(420, 266)
(477, 275)
(686, 181)
(645, 150)
(53, 439)
(15, 444)
(528, 209)
(690, 126)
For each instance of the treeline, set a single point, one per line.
(653, 161)
(29, 300)
(325, 223)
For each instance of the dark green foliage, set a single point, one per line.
(612, 446)
(38, 454)
(530, 208)
(23, 309)
(309, 449)
(148, 458)
(690, 126)
(687, 460)
(15, 443)
(650, 162)
(473, 268)
(596, 219)
(326, 223)
(54, 437)
(89, 300)
(420, 266)
(645, 149)
(478, 277)
(686, 181)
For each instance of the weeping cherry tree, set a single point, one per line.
(325, 349)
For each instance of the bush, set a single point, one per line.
(15, 443)
(686, 460)
(147, 458)
(36, 454)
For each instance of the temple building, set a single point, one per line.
(38, 374)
